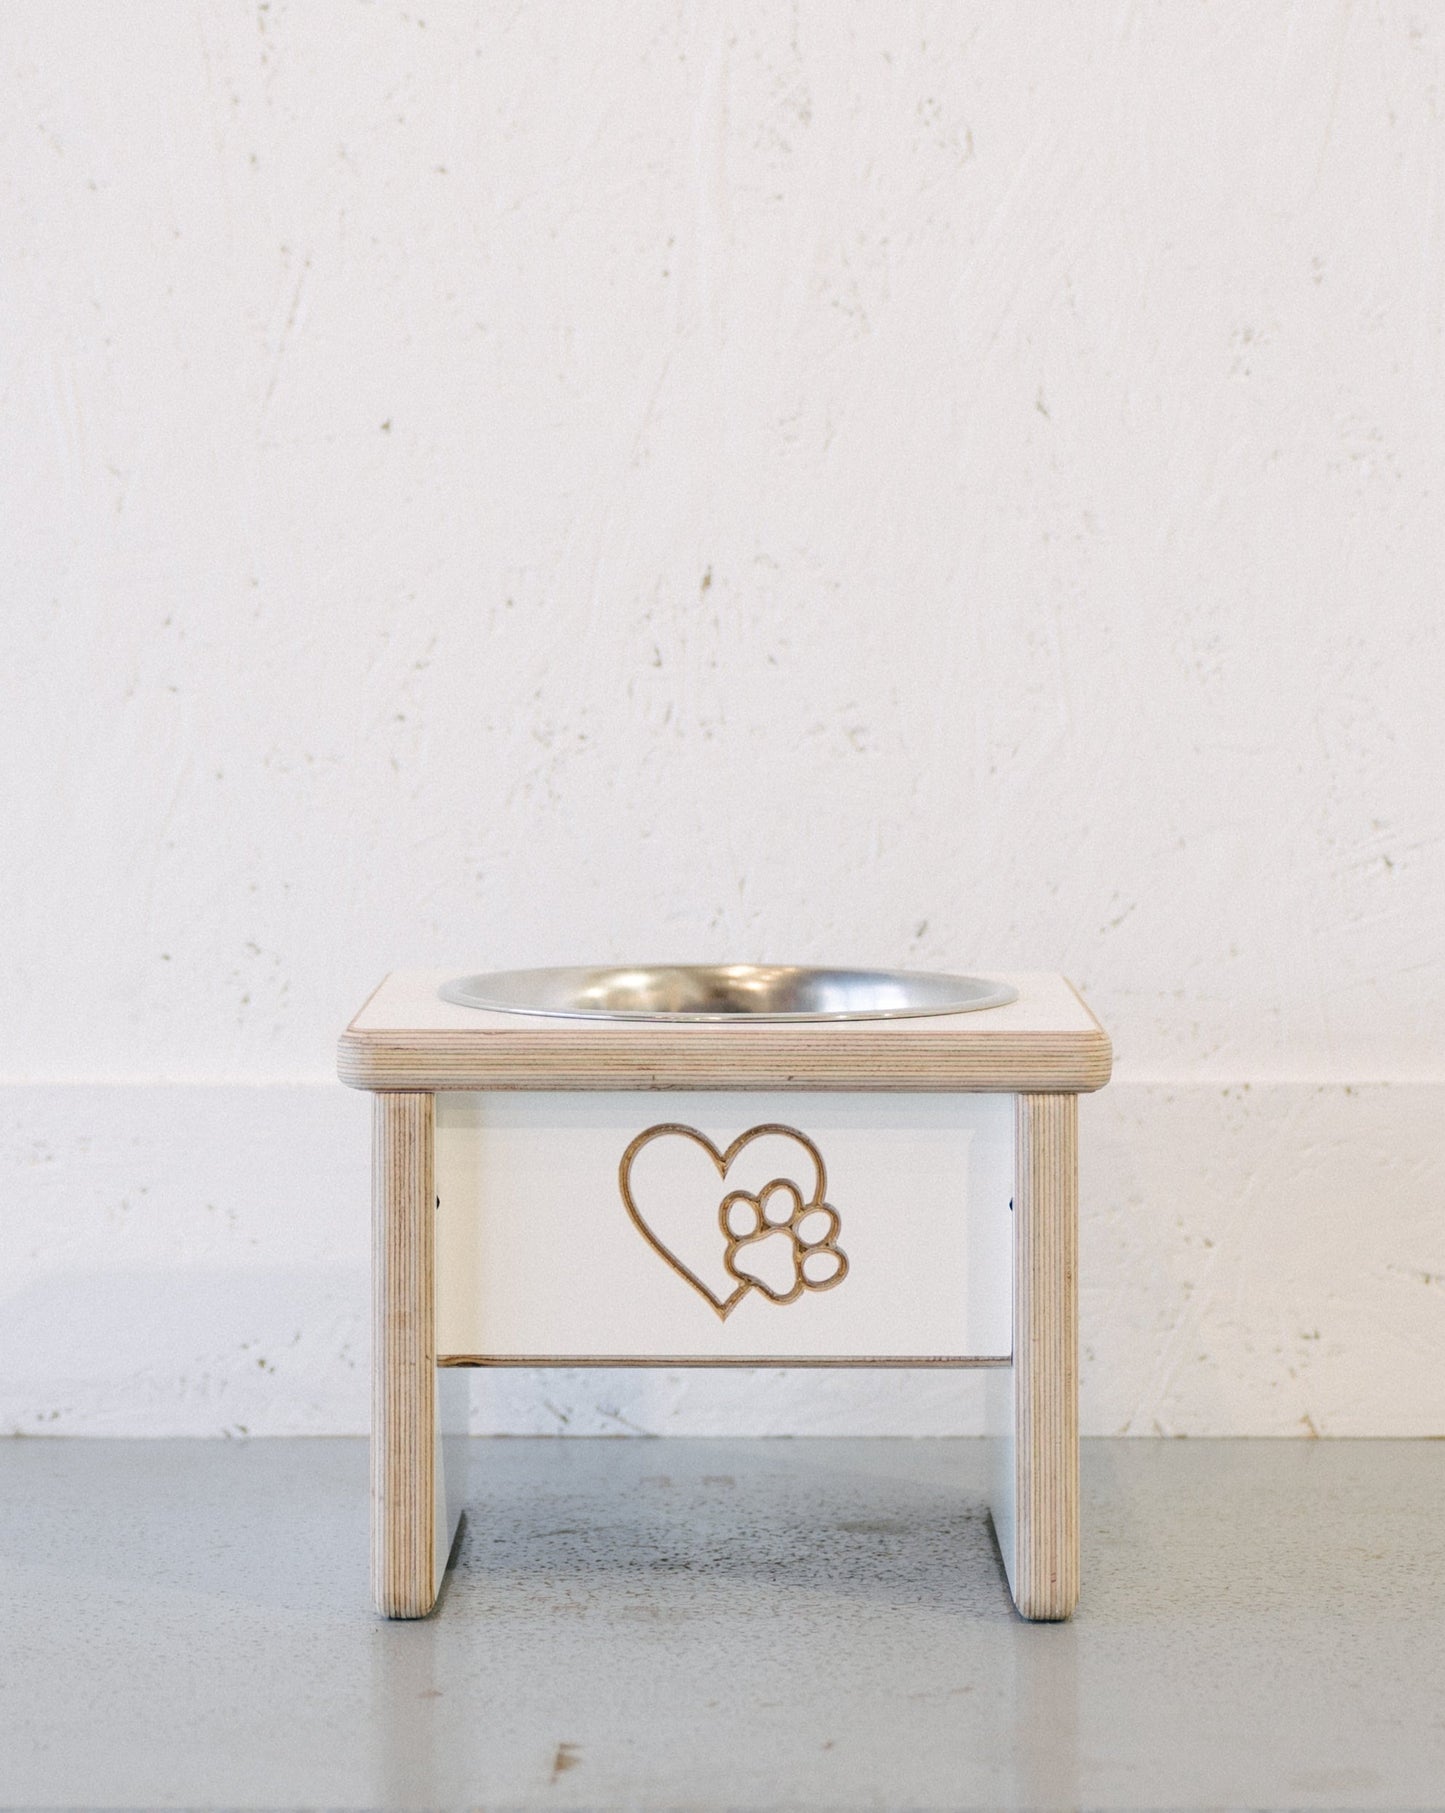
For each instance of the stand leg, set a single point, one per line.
(1034, 1410)
(410, 1533)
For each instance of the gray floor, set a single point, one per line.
(722, 1624)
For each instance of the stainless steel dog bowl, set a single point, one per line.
(727, 992)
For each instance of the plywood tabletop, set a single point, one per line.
(406, 1038)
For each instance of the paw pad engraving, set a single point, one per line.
(779, 1244)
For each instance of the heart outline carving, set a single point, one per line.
(722, 1161)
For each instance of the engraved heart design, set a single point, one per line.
(686, 1229)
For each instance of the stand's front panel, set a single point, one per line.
(723, 1227)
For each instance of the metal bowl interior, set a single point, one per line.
(735, 992)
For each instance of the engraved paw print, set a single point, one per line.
(779, 1244)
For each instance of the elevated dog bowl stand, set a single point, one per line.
(571, 1192)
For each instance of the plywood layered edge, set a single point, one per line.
(1034, 1408)
(408, 1539)
(755, 1057)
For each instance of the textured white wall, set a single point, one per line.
(908, 483)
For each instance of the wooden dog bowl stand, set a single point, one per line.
(526, 1172)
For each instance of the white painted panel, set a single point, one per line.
(539, 1254)
(1001, 1431)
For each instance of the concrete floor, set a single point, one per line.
(722, 1624)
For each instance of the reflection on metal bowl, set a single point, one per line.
(735, 992)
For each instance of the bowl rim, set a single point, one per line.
(560, 992)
